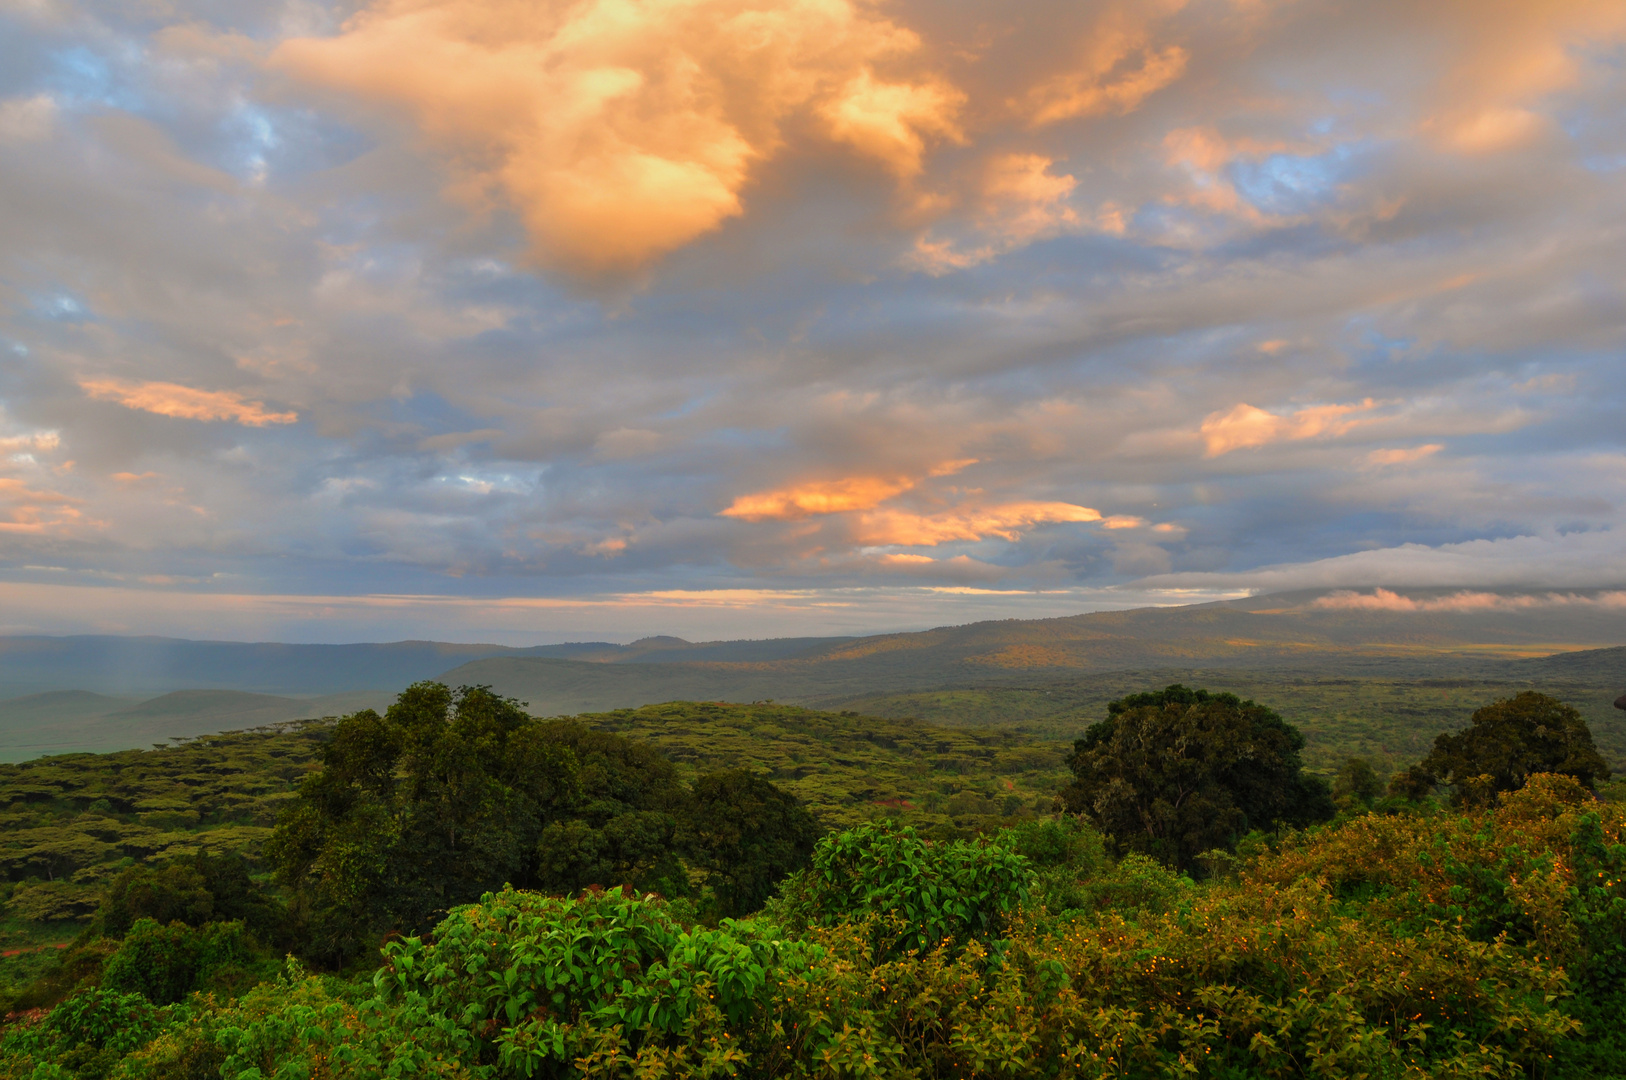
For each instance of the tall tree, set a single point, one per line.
(1176, 772)
(1509, 740)
(747, 834)
(438, 800)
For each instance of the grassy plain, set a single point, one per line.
(1392, 721)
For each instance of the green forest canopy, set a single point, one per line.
(1039, 941)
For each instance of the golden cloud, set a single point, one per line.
(1119, 67)
(1007, 521)
(874, 525)
(1404, 456)
(185, 402)
(1245, 426)
(829, 497)
(22, 444)
(832, 496)
(623, 131)
(1514, 54)
(28, 511)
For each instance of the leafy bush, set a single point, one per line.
(165, 963)
(1066, 853)
(920, 895)
(86, 1035)
(549, 987)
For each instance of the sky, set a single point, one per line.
(525, 321)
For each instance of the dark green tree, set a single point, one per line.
(195, 890)
(1176, 772)
(1508, 741)
(439, 800)
(1356, 785)
(621, 827)
(747, 835)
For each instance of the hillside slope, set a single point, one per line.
(1300, 632)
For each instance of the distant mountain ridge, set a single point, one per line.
(1312, 631)
(163, 687)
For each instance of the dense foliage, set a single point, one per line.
(451, 794)
(1174, 773)
(1402, 939)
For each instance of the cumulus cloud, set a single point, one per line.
(623, 131)
(1007, 521)
(31, 511)
(824, 497)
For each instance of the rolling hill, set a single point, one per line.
(1382, 674)
(1298, 632)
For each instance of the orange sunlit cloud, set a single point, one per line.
(1118, 67)
(1244, 426)
(23, 444)
(874, 525)
(185, 402)
(622, 132)
(1520, 53)
(831, 497)
(1404, 456)
(1007, 521)
(27, 511)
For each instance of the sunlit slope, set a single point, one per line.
(1392, 721)
(1280, 633)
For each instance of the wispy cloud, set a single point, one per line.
(184, 402)
(1244, 426)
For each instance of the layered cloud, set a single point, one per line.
(1462, 602)
(791, 303)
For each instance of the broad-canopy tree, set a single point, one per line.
(746, 834)
(1176, 772)
(452, 794)
(1506, 743)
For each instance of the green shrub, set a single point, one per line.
(1066, 852)
(542, 983)
(919, 894)
(165, 963)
